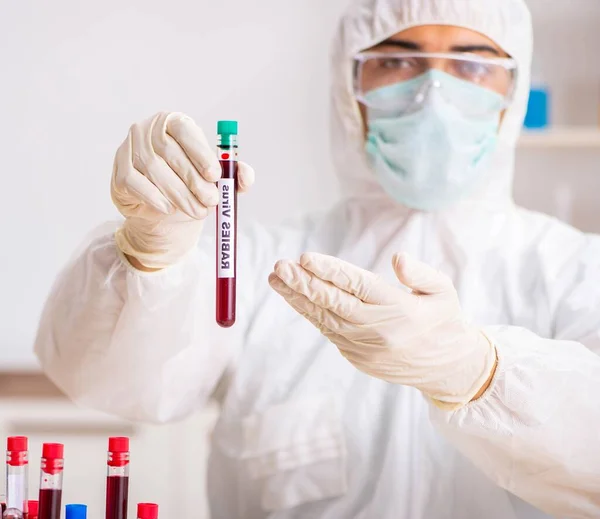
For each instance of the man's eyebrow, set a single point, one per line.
(403, 44)
(475, 48)
(411, 45)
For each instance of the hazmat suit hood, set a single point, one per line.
(367, 22)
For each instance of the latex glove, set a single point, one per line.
(415, 337)
(163, 182)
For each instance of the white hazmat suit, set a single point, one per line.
(302, 433)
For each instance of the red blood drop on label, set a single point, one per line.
(225, 156)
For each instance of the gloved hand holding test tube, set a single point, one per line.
(165, 182)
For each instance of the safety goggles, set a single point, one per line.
(375, 71)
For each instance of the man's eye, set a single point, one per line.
(473, 70)
(395, 63)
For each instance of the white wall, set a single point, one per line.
(76, 74)
(567, 45)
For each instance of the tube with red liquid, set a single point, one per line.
(17, 477)
(147, 511)
(117, 478)
(227, 151)
(51, 479)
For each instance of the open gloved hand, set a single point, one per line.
(163, 182)
(417, 338)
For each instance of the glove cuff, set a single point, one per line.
(488, 363)
(157, 245)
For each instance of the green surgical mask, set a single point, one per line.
(434, 157)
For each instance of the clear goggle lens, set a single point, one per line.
(374, 71)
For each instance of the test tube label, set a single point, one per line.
(228, 154)
(226, 228)
(15, 491)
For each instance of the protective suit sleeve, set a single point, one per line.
(535, 430)
(143, 346)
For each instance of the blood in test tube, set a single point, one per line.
(17, 477)
(147, 511)
(117, 478)
(51, 478)
(76, 511)
(32, 509)
(227, 151)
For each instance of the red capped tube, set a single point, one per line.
(32, 509)
(51, 479)
(147, 511)
(17, 477)
(117, 478)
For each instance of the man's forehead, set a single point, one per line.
(443, 38)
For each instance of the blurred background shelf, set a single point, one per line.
(562, 137)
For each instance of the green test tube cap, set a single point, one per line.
(227, 128)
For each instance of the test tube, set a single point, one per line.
(17, 477)
(75, 511)
(51, 477)
(32, 509)
(117, 478)
(227, 150)
(147, 511)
